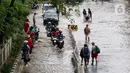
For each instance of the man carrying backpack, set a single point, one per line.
(85, 54)
(94, 53)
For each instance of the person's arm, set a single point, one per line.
(28, 47)
(89, 31)
(84, 30)
(88, 52)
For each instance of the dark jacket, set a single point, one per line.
(84, 12)
(85, 52)
(25, 48)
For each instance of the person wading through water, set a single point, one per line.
(87, 32)
(34, 19)
(94, 53)
(85, 54)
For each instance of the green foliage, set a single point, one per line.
(12, 20)
(7, 67)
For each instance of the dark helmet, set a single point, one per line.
(56, 28)
(85, 45)
(93, 43)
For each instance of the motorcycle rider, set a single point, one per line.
(32, 34)
(35, 5)
(30, 43)
(54, 32)
(36, 31)
(60, 36)
(25, 50)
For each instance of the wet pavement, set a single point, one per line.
(45, 57)
(110, 32)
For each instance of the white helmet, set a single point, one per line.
(25, 41)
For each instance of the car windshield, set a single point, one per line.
(50, 15)
(50, 11)
(48, 7)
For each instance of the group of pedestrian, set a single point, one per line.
(85, 52)
(87, 15)
(31, 36)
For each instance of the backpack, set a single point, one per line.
(85, 51)
(97, 49)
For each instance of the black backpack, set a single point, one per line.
(84, 52)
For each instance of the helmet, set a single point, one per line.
(49, 23)
(60, 31)
(85, 45)
(28, 36)
(25, 41)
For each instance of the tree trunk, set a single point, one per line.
(12, 3)
(0, 2)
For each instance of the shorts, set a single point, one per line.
(95, 56)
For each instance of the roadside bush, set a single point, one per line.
(12, 20)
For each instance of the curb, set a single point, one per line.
(17, 66)
(75, 58)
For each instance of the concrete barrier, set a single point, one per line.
(75, 58)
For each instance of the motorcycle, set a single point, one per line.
(26, 58)
(48, 33)
(48, 29)
(60, 43)
(35, 6)
(54, 40)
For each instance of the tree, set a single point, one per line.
(12, 3)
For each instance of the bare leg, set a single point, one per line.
(81, 61)
(92, 61)
(88, 39)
